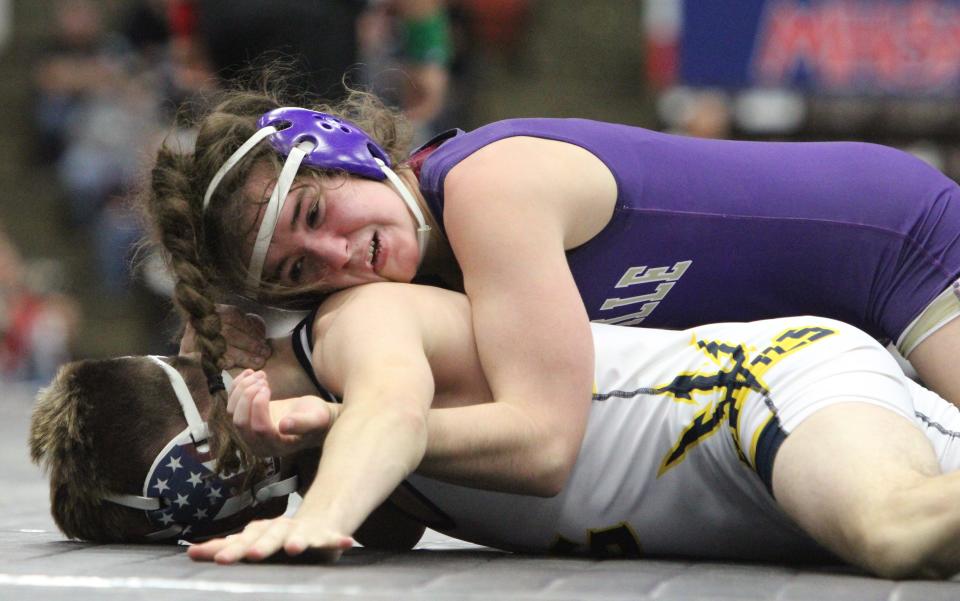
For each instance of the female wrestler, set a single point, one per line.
(555, 221)
(716, 442)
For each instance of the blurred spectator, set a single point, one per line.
(97, 115)
(321, 35)
(699, 113)
(328, 40)
(72, 65)
(499, 26)
(38, 325)
(182, 72)
(709, 116)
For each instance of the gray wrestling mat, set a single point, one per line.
(36, 563)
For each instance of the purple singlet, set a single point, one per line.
(712, 230)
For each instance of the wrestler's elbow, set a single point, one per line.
(539, 443)
(414, 422)
(556, 456)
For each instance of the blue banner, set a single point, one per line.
(904, 47)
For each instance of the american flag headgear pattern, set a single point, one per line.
(183, 494)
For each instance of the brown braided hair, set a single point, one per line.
(226, 227)
(193, 295)
(202, 248)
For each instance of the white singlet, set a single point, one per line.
(682, 435)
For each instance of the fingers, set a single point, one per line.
(302, 415)
(253, 388)
(245, 334)
(258, 540)
(263, 428)
(207, 550)
(260, 422)
(306, 420)
(263, 538)
(250, 405)
(235, 357)
(237, 389)
(298, 541)
(267, 542)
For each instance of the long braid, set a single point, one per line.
(175, 221)
(204, 250)
(227, 226)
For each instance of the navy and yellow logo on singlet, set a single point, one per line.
(736, 372)
(735, 377)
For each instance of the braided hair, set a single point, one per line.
(203, 248)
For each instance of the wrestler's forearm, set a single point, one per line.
(495, 446)
(366, 455)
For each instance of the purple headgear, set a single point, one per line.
(183, 494)
(319, 140)
(337, 143)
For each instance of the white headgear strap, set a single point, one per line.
(423, 230)
(195, 436)
(235, 158)
(271, 213)
(196, 427)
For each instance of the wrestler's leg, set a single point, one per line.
(937, 361)
(864, 482)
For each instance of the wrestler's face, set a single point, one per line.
(338, 232)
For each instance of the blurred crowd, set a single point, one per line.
(107, 84)
(108, 76)
(37, 322)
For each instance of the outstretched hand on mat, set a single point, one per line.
(279, 427)
(264, 538)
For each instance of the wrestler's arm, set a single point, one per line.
(531, 328)
(509, 213)
(372, 349)
(388, 528)
(865, 483)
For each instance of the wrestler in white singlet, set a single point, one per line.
(683, 432)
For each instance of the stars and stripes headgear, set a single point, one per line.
(318, 140)
(183, 494)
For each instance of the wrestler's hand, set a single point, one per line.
(246, 336)
(263, 538)
(281, 427)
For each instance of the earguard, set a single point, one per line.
(318, 140)
(183, 495)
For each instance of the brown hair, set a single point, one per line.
(95, 431)
(203, 248)
(179, 181)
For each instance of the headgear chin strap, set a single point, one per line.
(318, 140)
(183, 495)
